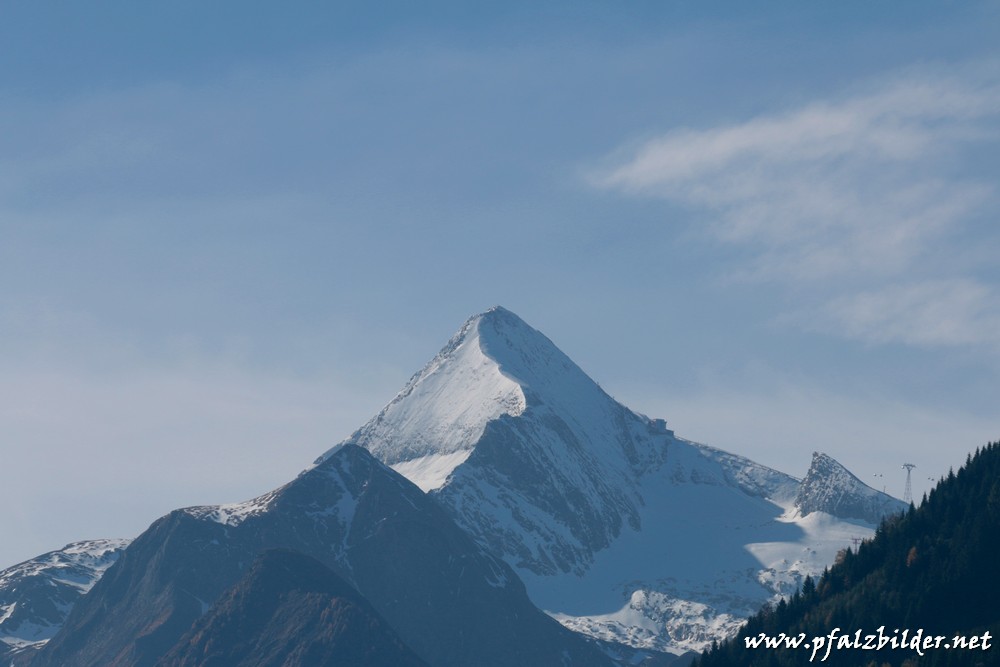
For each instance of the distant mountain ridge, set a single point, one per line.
(545, 469)
(37, 595)
(829, 487)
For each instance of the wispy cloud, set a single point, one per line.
(947, 312)
(860, 189)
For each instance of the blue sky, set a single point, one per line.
(230, 232)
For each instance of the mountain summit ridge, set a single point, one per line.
(830, 487)
(499, 395)
(546, 470)
(463, 401)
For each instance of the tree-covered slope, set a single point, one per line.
(933, 569)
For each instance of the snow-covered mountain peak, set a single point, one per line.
(554, 386)
(433, 423)
(495, 365)
(527, 356)
(598, 507)
(500, 406)
(830, 487)
(823, 465)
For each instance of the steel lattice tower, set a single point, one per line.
(908, 493)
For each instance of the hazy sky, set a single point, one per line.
(230, 232)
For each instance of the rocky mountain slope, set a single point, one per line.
(290, 611)
(38, 594)
(446, 598)
(619, 528)
(829, 487)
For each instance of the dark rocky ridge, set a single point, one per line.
(291, 611)
(448, 600)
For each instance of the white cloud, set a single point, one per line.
(853, 194)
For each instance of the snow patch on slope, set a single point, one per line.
(79, 564)
(431, 472)
(38, 594)
(720, 536)
(786, 563)
(685, 577)
(233, 514)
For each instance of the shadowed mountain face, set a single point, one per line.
(291, 611)
(448, 600)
